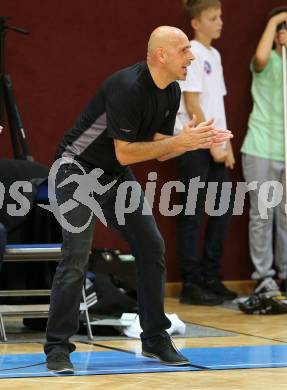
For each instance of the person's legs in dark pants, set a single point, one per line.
(147, 245)
(142, 232)
(192, 165)
(216, 230)
(63, 321)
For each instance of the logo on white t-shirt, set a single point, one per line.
(207, 67)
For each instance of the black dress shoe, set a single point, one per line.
(162, 348)
(217, 287)
(194, 294)
(60, 363)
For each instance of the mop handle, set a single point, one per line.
(285, 107)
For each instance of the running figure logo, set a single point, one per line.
(88, 184)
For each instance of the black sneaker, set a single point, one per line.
(60, 362)
(193, 294)
(283, 285)
(263, 304)
(162, 348)
(217, 287)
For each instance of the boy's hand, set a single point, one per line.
(282, 37)
(225, 156)
(218, 153)
(230, 160)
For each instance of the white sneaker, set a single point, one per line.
(267, 287)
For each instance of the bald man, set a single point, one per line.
(129, 120)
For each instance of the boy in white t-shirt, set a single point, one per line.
(203, 95)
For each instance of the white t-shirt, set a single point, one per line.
(205, 76)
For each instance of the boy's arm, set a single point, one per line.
(191, 100)
(265, 44)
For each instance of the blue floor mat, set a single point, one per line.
(96, 363)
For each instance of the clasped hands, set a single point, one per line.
(202, 136)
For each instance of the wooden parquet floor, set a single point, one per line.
(249, 331)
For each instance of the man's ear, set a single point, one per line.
(160, 54)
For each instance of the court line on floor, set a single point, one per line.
(132, 352)
(19, 367)
(236, 332)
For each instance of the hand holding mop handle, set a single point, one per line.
(283, 26)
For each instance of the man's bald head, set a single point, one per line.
(162, 37)
(168, 55)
